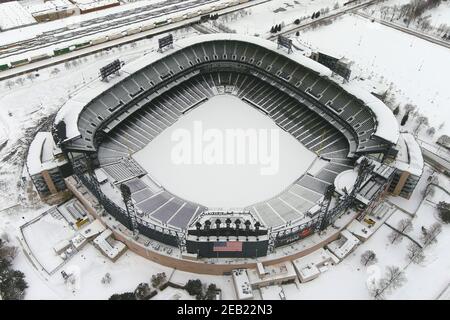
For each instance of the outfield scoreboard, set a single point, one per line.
(165, 42)
(110, 69)
(338, 66)
(284, 42)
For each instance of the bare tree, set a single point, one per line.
(404, 226)
(19, 81)
(55, 71)
(106, 278)
(415, 253)
(431, 131)
(444, 211)
(422, 120)
(31, 76)
(9, 84)
(410, 107)
(394, 278)
(368, 258)
(429, 235)
(7, 252)
(443, 140)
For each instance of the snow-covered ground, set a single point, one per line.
(225, 125)
(414, 69)
(258, 20)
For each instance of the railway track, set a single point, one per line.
(93, 48)
(103, 24)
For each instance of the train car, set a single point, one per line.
(148, 26)
(161, 23)
(116, 35)
(99, 40)
(82, 45)
(206, 10)
(39, 57)
(222, 5)
(4, 67)
(134, 30)
(192, 14)
(61, 51)
(178, 18)
(19, 63)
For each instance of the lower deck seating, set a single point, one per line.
(308, 127)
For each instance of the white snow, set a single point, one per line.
(92, 4)
(226, 185)
(416, 68)
(41, 154)
(50, 7)
(261, 18)
(13, 15)
(42, 236)
(345, 180)
(409, 157)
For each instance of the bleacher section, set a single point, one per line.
(162, 206)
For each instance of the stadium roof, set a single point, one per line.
(409, 155)
(13, 15)
(41, 154)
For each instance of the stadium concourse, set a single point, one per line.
(345, 128)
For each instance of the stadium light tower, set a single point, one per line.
(129, 205)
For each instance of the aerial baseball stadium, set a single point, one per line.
(355, 171)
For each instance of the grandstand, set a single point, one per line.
(109, 122)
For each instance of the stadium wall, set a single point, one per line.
(203, 267)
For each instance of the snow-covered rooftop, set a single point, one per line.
(110, 247)
(387, 125)
(41, 154)
(310, 266)
(39, 8)
(14, 15)
(92, 4)
(242, 284)
(345, 180)
(273, 273)
(409, 157)
(344, 245)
